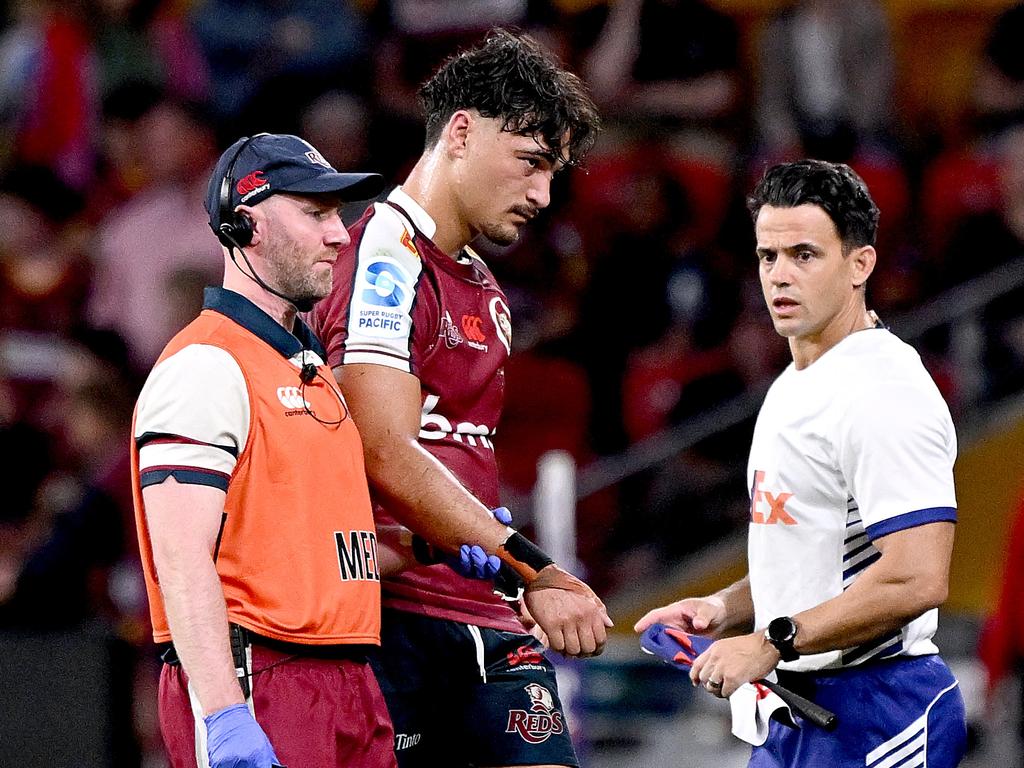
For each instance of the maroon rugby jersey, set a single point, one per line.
(400, 301)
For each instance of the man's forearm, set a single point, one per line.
(423, 495)
(911, 577)
(197, 617)
(869, 608)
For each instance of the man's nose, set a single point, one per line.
(539, 193)
(338, 233)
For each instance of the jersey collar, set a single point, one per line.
(419, 216)
(239, 309)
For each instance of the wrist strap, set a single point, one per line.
(526, 554)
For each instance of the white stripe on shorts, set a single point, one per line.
(478, 641)
(907, 741)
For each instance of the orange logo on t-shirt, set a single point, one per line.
(776, 504)
(407, 241)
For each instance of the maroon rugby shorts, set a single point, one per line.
(317, 712)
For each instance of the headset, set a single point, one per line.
(235, 229)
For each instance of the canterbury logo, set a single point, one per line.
(248, 183)
(472, 327)
(291, 398)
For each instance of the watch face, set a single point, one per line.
(782, 630)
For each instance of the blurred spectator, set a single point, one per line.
(268, 60)
(160, 231)
(49, 101)
(121, 165)
(978, 245)
(148, 41)
(67, 528)
(43, 273)
(998, 93)
(412, 37)
(826, 80)
(630, 298)
(337, 123)
(674, 62)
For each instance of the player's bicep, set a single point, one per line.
(385, 403)
(184, 521)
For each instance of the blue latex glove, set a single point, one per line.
(235, 740)
(678, 648)
(473, 562)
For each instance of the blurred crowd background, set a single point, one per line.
(634, 296)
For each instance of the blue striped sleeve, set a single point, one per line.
(911, 520)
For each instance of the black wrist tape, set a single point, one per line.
(526, 552)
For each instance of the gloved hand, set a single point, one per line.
(235, 740)
(473, 562)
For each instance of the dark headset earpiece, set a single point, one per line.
(235, 229)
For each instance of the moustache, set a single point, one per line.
(528, 212)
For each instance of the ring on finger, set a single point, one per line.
(713, 685)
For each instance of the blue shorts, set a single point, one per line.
(897, 713)
(462, 696)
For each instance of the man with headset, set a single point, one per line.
(263, 570)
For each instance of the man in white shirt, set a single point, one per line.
(852, 503)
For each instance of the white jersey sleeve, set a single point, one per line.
(388, 268)
(896, 449)
(192, 419)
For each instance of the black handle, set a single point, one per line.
(816, 713)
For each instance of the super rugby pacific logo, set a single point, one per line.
(537, 725)
(386, 284)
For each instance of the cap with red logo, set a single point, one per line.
(273, 162)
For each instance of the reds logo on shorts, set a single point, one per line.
(537, 725)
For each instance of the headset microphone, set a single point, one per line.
(308, 373)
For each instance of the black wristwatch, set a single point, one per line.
(781, 633)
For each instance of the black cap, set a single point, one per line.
(274, 162)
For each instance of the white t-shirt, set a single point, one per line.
(857, 445)
(192, 417)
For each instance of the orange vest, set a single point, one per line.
(297, 557)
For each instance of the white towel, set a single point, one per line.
(753, 707)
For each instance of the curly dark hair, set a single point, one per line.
(834, 187)
(511, 78)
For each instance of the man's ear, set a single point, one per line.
(456, 133)
(862, 263)
(258, 222)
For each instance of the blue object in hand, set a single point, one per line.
(235, 740)
(678, 648)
